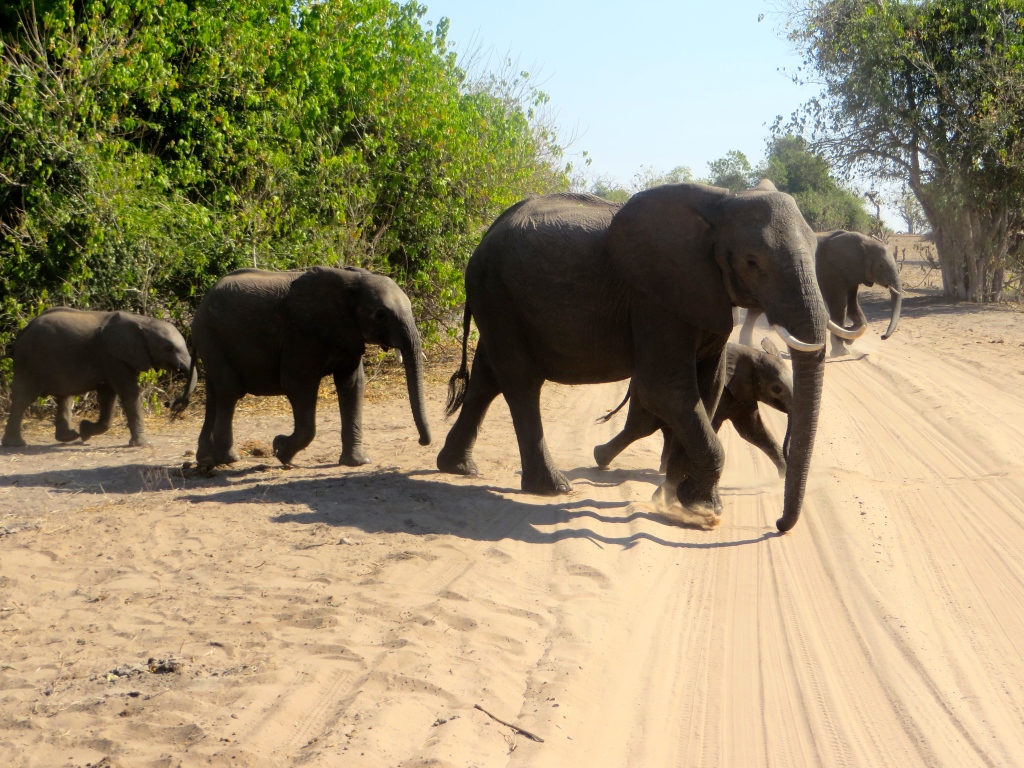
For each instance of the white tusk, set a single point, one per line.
(846, 333)
(398, 355)
(795, 343)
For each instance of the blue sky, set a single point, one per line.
(648, 82)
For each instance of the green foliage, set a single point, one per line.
(930, 94)
(732, 172)
(147, 147)
(794, 168)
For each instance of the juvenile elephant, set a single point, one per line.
(845, 261)
(575, 289)
(280, 333)
(752, 376)
(67, 352)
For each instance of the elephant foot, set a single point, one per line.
(87, 429)
(140, 442)
(838, 350)
(603, 456)
(456, 465)
(283, 450)
(66, 435)
(701, 513)
(228, 457)
(13, 441)
(353, 458)
(551, 483)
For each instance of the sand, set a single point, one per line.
(328, 616)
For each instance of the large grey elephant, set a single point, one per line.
(280, 333)
(845, 261)
(751, 376)
(67, 352)
(575, 289)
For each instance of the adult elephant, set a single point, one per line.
(574, 289)
(280, 333)
(66, 352)
(845, 261)
(751, 377)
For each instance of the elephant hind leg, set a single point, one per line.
(456, 457)
(639, 424)
(21, 398)
(204, 448)
(106, 397)
(62, 424)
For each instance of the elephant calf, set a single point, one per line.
(280, 333)
(68, 352)
(752, 376)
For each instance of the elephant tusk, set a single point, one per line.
(850, 334)
(795, 343)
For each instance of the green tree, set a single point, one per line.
(929, 93)
(795, 168)
(733, 172)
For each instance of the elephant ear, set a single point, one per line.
(662, 243)
(740, 376)
(769, 346)
(321, 304)
(124, 339)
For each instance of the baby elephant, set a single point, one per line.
(67, 352)
(752, 376)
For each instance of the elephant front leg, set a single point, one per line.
(62, 424)
(456, 457)
(302, 396)
(751, 428)
(540, 475)
(131, 401)
(350, 389)
(107, 397)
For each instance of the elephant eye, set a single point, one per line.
(776, 390)
(752, 262)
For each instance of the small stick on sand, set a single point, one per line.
(515, 728)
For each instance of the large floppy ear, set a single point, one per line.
(124, 339)
(321, 304)
(740, 381)
(662, 242)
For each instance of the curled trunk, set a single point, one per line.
(180, 403)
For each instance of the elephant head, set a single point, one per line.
(351, 306)
(144, 343)
(860, 260)
(384, 316)
(707, 250)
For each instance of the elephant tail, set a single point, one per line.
(607, 416)
(460, 379)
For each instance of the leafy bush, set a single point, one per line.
(147, 147)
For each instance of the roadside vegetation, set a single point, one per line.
(147, 147)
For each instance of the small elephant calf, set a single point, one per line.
(752, 376)
(67, 352)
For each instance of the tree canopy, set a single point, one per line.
(930, 93)
(147, 147)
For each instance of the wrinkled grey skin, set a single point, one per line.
(280, 333)
(68, 352)
(574, 289)
(845, 261)
(752, 376)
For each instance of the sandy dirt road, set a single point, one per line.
(325, 616)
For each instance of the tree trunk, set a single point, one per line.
(972, 242)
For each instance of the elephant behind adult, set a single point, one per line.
(574, 289)
(67, 352)
(845, 261)
(280, 333)
(751, 377)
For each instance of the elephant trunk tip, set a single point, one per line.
(425, 439)
(787, 521)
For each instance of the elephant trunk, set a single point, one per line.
(896, 300)
(180, 403)
(808, 377)
(412, 359)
